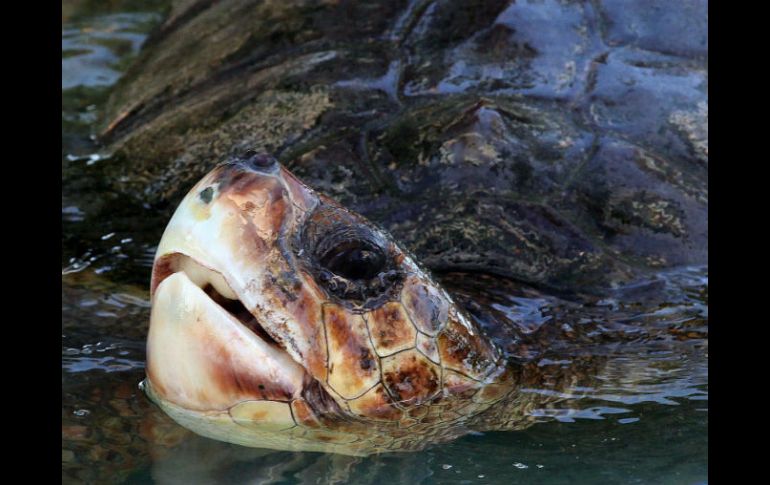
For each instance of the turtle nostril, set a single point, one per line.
(257, 160)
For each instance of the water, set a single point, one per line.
(635, 409)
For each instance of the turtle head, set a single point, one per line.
(282, 320)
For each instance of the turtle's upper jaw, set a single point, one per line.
(272, 304)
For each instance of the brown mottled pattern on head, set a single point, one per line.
(376, 404)
(460, 385)
(426, 305)
(410, 377)
(418, 412)
(463, 351)
(353, 366)
(427, 347)
(261, 201)
(306, 310)
(491, 393)
(251, 234)
(391, 329)
(235, 179)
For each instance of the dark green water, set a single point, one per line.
(641, 416)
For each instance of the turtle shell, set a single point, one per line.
(563, 144)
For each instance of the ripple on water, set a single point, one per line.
(90, 52)
(528, 313)
(568, 415)
(106, 364)
(72, 214)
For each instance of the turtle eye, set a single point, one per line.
(354, 260)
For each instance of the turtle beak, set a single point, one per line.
(200, 356)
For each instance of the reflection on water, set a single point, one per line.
(631, 405)
(92, 52)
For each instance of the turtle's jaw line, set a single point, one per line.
(205, 352)
(219, 292)
(238, 310)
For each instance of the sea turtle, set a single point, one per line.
(553, 145)
(282, 320)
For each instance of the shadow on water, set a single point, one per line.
(636, 412)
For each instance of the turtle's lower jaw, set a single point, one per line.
(202, 357)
